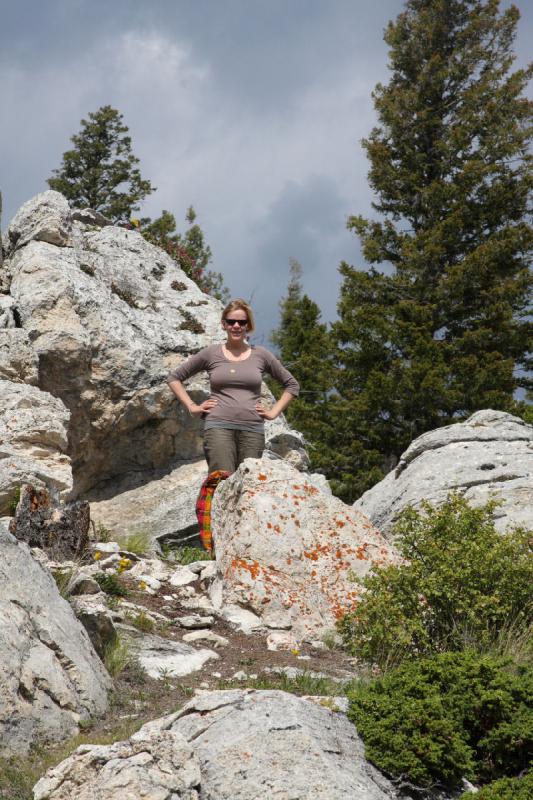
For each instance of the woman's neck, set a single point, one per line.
(236, 347)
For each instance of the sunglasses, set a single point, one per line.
(242, 323)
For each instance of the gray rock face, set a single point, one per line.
(50, 676)
(163, 506)
(18, 362)
(108, 316)
(286, 551)
(33, 441)
(264, 744)
(488, 456)
(45, 218)
(100, 317)
(229, 745)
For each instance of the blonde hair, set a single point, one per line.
(240, 305)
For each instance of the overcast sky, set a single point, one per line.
(250, 110)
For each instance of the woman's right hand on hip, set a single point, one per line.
(203, 408)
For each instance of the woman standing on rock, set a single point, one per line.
(234, 415)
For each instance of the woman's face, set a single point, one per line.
(235, 331)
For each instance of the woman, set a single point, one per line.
(234, 415)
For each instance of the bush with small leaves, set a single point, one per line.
(461, 583)
(453, 715)
(505, 789)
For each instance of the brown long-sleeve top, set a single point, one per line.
(235, 384)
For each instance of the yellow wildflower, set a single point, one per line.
(97, 555)
(142, 585)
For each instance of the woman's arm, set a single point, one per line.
(183, 396)
(290, 385)
(278, 407)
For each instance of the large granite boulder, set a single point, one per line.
(228, 745)
(488, 456)
(33, 442)
(51, 679)
(287, 551)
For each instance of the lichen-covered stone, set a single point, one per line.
(287, 551)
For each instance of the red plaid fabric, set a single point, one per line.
(203, 506)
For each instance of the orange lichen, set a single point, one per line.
(262, 477)
(242, 564)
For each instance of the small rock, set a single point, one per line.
(205, 636)
(105, 547)
(194, 621)
(280, 640)
(153, 567)
(199, 603)
(198, 566)
(83, 584)
(241, 618)
(151, 583)
(182, 577)
(209, 572)
(240, 676)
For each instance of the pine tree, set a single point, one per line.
(188, 249)
(304, 347)
(446, 331)
(101, 172)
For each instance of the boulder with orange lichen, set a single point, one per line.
(288, 551)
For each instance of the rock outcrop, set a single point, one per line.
(94, 317)
(50, 676)
(286, 551)
(108, 315)
(228, 745)
(155, 763)
(488, 456)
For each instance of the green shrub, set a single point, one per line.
(449, 716)
(185, 555)
(461, 584)
(110, 584)
(505, 789)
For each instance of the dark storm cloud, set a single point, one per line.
(252, 111)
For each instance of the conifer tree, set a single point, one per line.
(101, 172)
(444, 329)
(188, 249)
(304, 347)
